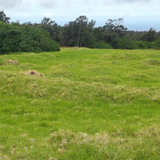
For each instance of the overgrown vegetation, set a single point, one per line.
(15, 37)
(48, 35)
(80, 104)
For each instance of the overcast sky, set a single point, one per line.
(137, 14)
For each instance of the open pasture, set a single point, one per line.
(80, 103)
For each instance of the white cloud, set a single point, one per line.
(47, 3)
(9, 3)
(4, 4)
(47, 14)
(68, 10)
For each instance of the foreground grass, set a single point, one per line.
(80, 104)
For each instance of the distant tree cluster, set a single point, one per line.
(15, 37)
(49, 36)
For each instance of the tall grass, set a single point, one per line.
(80, 103)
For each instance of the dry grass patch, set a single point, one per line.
(75, 47)
(10, 61)
(153, 62)
(62, 138)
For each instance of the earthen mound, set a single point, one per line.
(33, 73)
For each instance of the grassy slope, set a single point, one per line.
(90, 104)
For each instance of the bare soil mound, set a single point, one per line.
(33, 73)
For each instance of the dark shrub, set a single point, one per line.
(101, 45)
(127, 43)
(15, 37)
(142, 45)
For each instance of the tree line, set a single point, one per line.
(49, 36)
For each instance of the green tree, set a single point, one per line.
(3, 17)
(127, 43)
(69, 37)
(150, 36)
(10, 38)
(52, 27)
(81, 25)
(114, 26)
(142, 44)
(47, 21)
(37, 39)
(113, 31)
(79, 32)
(15, 37)
(112, 38)
(98, 33)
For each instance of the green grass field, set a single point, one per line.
(80, 104)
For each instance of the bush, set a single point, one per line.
(142, 44)
(101, 45)
(15, 37)
(150, 44)
(157, 44)
(111, 38)
(127, 43)
(38, 39)
(10, 37)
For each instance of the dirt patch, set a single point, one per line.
(33, 73)
(75, 47)
(12, 62)
(64, 47)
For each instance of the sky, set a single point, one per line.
(138, 15)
